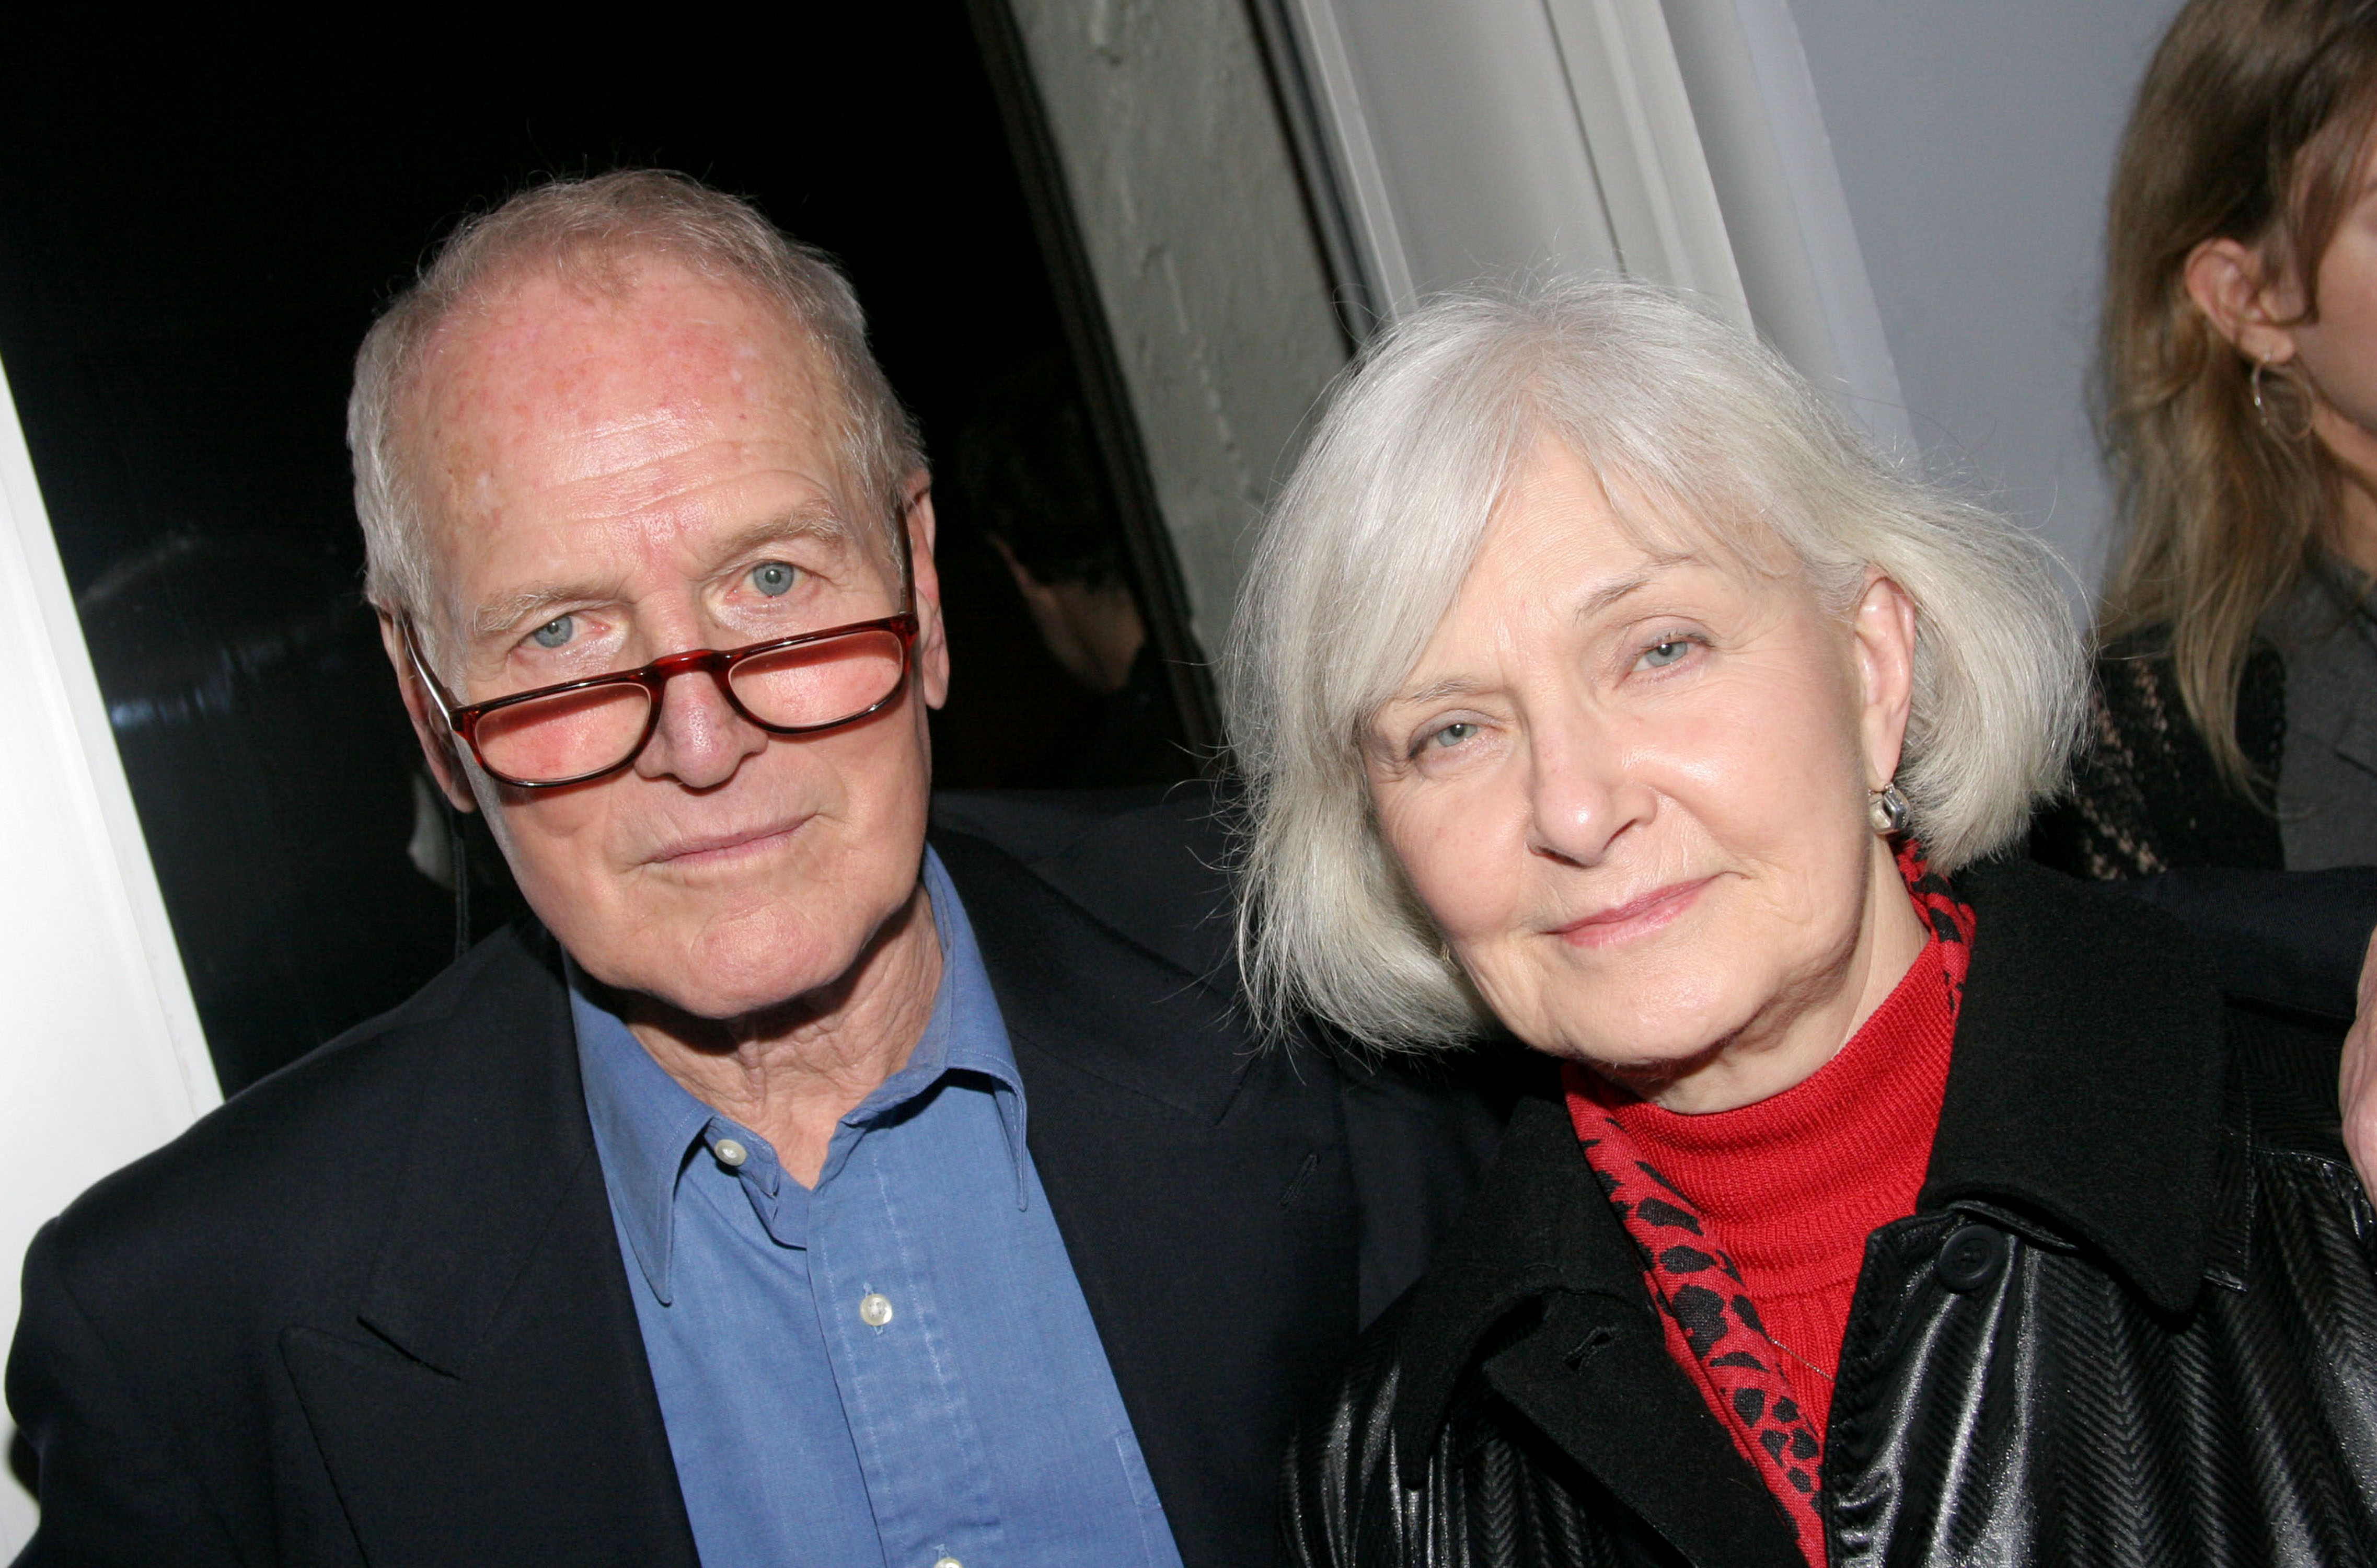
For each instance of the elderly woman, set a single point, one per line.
(1896, 1202)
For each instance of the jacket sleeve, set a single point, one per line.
(114, 1484)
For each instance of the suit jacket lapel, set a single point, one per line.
(1201, 1188)
(491, 1401)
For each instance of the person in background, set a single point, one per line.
(1028, 472)
(1901, 1201)
(2234, 720)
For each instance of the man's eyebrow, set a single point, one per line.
(821, 523)
(496, 617)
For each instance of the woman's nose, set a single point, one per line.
(1581, 793)
(700, 739)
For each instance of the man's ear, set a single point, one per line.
(1884, 627)
(932, 638)
(436, 741)
(2235, 288)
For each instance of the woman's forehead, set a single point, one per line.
(1561, 503)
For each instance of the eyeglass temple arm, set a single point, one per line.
(420, 668)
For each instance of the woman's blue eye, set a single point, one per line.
(1659, 655)
(555, 632)
(772, 578)
(1453, 735)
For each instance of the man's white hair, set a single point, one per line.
(1682, 417)
(588, 231)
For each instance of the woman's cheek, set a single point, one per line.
(1449, 843)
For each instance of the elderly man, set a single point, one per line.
(798, 1193)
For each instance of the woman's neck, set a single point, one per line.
(1804, 1027)
(2355, 451)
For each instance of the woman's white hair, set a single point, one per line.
(588, 231)
(1675, 411)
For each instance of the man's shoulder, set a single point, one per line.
(1150, 864)
(281, 1175)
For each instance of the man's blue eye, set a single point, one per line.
(555, 632)
(772, 578)
(1661, 654)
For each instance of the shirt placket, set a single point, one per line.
(919, 1446)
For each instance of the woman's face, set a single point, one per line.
(2338, 350)
(2259, 305)
(1632, 790)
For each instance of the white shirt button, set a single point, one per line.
(875, 1310)
(730, 1154)
(948, 1562)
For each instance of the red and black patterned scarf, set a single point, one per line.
(1712, 1327)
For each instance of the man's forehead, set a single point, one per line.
(544, 357)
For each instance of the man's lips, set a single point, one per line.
(1635, 917)
(714, 848)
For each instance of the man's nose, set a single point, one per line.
(701, 740)
(1583, 793)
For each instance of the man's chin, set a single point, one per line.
(734, 980)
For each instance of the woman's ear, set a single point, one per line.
(1884, 629)
(2233, 286)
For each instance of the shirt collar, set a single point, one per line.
(646, 1125)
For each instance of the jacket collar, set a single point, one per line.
(1055, 951)
(2084, 1096)
(2085, 1089)
(500, 1141)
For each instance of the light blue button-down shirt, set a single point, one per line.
(897, 1366)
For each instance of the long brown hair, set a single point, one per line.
(2251, 125)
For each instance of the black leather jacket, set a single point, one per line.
(2133, 1318)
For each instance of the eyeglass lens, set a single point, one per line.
(573, 733)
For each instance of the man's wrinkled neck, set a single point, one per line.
(791, 1072)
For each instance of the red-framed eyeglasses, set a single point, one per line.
(581, 730)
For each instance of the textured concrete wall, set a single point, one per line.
(1186, 195)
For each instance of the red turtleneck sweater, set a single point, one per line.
(1786, 1191)
(1792, 1186)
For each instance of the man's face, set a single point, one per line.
(614, 478)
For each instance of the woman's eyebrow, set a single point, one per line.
(1609, 593)
(1618, 589)
(1438, 691)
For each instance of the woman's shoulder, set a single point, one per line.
(2168, 989)
(2147, 794)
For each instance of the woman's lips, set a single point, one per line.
(1636, 917)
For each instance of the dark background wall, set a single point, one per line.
(196, 224)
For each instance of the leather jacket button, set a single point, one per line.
(1971, 1260)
